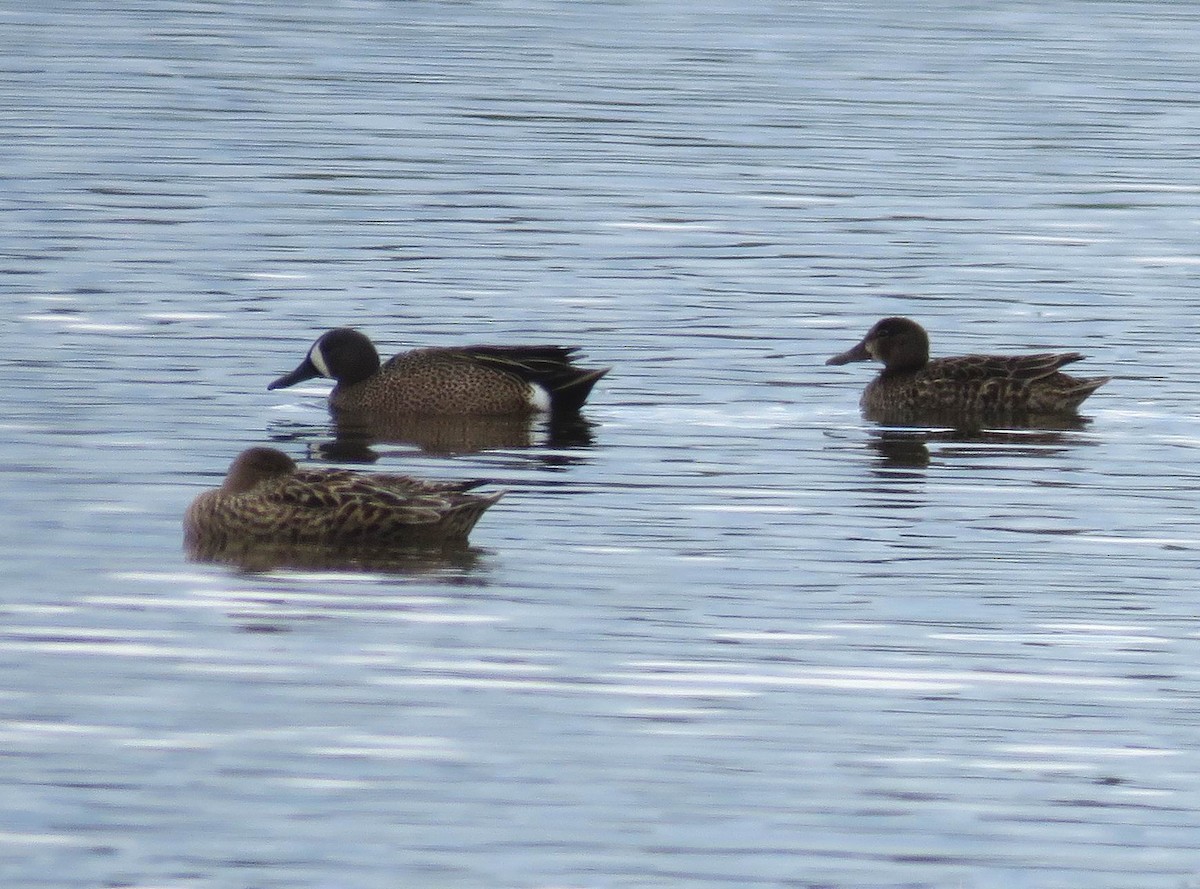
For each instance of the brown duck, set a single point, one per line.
(458, 381)
(969, 385)
(267, 499)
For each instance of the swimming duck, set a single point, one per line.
(969, 384)
(267, 499)
(461, 381)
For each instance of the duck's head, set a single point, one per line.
(900, 343)
(255, 465)
(343, 354)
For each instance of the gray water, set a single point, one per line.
(734, 635)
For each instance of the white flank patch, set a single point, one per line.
(539, 397)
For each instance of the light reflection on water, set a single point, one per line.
(726, 633)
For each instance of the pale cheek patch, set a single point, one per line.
(539, 398)
(318, 361)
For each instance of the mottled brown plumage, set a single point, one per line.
(460, 381)
(267, 499)
(911, 384)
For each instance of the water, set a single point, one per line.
(734, 636)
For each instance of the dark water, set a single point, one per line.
(733, 636)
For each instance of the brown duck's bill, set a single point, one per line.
(855, 353)
(306, 371)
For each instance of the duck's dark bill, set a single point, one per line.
(306, 371)
(857, 353)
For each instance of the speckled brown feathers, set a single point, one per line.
(266, 498)
(488, 380)
(984, 383)
(979, 385)
(467, 380)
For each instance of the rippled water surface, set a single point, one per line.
(728, 634)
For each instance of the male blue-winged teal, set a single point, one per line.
(461, 381)
(267, 499)
(970, 385)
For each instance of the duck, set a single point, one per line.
(445, 381)
(967, 385)
(267, 499)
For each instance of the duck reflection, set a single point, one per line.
(902, 441)
(258, 557)
(354, 437)
(901, 449)
(444, 435)
(977, 423)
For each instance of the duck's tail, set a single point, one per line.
(570, 390)
(1080, 388)
(551, 368)
(458, 521)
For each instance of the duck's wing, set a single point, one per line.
(306, 482)
(537, 359)
(369, 503)
(551, 366)
(525, 362)
(1001, 367)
